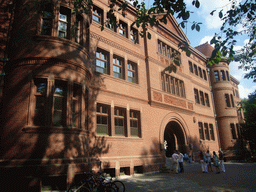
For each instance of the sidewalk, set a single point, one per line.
(160, 182)
(239, 177)
(163, 182)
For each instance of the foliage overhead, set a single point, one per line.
(242, 13)
(249, 127)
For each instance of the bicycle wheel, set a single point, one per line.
(106, 188)
(119, 186)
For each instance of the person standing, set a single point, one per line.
(216, 162)
(221, 158)
(209, 161)
(181, 156)
(202, 162)
(175, 159)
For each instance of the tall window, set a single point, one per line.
(233, 131)
(232, 100)
(59, 100)
(97, 15)
(204, 73)
(64, 22)
(227, 100)
(110, 26)
(200, 72)
(227, 75)
(206, 130)
(196, 95)
(134, 35)
(207, 101)
(195, 69)
(216, 75)
(201, 132)
(132, 72)
(182, 89)
(134, 123)
(223, 76)
(177, 87)
(173, 85)
(101, 61)
(167, 84)
(119, 116)
(103, 116)
(118, 67)
(167, 51)
(202, 98)
(123, 29)
(190, 66)
(172, 79)
(212, 132)
(40, 101)
(79, 29)
(62, 106)
(47, 19)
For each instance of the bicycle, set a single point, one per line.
(91, 184)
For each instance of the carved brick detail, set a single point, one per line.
(174, 101)
(157, 96)
(190, 106)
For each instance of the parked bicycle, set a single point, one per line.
(97, 183)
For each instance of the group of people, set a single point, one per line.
(177, 162)
(206, 161)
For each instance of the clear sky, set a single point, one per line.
(211, 25)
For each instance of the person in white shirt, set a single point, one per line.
(181, 156)
(175, 159)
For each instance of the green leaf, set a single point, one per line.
(193, 26)
(198, 27)
(149, 35)
(197, 4)
(212, 12)
(220, 14)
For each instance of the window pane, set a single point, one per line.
(63, 17)
(59, 88)
(46, 27)
(39, 118)
(57, 115)
(41, 86)
(62, 26)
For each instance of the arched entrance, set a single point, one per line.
(175, 138)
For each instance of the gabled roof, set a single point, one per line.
(174, 27)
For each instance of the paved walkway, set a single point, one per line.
(238, 177)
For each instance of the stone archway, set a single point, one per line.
(175, 138)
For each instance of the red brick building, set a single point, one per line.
(78, 98)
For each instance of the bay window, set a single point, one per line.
(55, 104)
